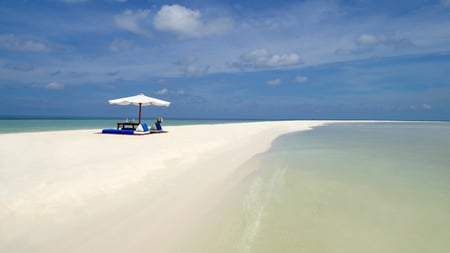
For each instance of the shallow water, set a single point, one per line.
(361, 187)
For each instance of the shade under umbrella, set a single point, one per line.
(140, 100)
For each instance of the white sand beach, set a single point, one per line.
(81, 191)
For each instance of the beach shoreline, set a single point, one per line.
(107, 186)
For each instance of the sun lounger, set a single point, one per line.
(117, 131)
(141, 129)
(157, 128)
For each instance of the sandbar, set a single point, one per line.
(82, 191)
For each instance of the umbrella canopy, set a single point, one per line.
(140, 100)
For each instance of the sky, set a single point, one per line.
(226, 59)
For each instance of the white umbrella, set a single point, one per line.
(140, 100)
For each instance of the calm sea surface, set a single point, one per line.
(17, 125)
(359, 187)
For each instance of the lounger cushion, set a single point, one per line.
(115, 131)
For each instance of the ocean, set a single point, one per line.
(18, 124)
(343, 188)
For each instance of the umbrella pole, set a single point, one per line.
(140, 109)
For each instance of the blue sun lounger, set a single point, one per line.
(156, 128)
(141, 129)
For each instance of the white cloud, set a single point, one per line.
(179, 92)
(50, 86)
(423, 107)
(166, 91)
(11, 41)
(262, 58)
(190, 67)
(301, 79)
(132, 21)
(120, 45)
(25, 67)
(369, 40)
(162, 91)
(274, 82)
(446, 3)
(178, 19)
(186, 22)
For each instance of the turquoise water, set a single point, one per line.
(17, 125)
(360, 187)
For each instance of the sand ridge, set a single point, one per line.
(82, 190)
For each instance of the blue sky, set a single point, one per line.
(227, 59)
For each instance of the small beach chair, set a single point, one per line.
(157, 128)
